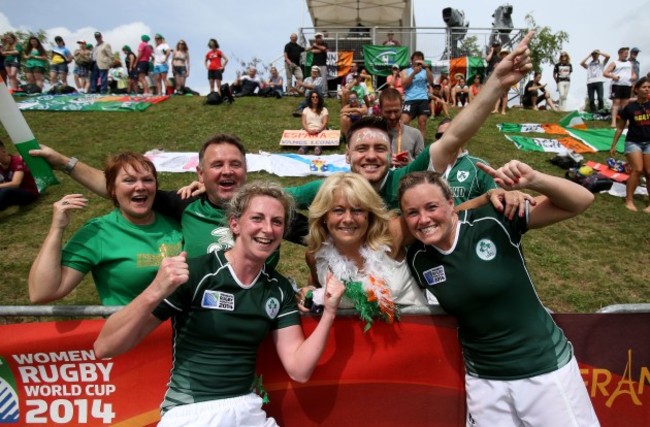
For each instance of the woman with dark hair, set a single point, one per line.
(637, 141)
(35, 61)
(122, 249)
(222, 305)
(61, 57)
(130, 63)
(314, 119)
(215, 63)
(180, 65)
(520, 367)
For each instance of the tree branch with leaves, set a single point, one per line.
(546, 46)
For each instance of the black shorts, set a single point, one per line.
(179, 70)
(142, 68)
(621, 92)
(419, 107)
(215, 74)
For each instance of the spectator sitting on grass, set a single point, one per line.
(460, 91)
(438, 103)
(274, 85)
(314, 119)
(248, 84)
(535, 93)
(351, 112)
(17, 185)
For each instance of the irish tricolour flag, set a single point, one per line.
(23, 138)
(338, 63)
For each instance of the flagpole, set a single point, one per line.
(21, 135)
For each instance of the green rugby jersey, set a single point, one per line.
(218, 324)
(504, 330)
(466, 180)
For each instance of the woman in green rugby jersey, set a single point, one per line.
(520, 368)
(222, 306)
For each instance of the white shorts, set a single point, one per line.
(240, 411)
(558, 398)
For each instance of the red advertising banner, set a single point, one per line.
(409, 373)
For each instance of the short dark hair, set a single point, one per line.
(417, 53)
(389, 94)
(222, 138)
(216, 43)
(372, 122)
(638, 83)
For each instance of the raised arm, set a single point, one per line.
(86, 175)
(508, 72)
(298, 355)
(561, 199)
(126, 328)
(48, 279)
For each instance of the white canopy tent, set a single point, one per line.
(349, 13)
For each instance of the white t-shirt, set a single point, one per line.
(595, 72)
(159, 53)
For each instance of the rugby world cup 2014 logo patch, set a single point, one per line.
(486, 249)
(272, 307)
(9, 405)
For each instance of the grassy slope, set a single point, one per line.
(580, 265)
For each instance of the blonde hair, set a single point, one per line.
(360, 194)
(242, 199)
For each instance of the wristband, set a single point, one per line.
(71, 164)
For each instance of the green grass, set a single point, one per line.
(581, 265)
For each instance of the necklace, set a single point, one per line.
(367, 288)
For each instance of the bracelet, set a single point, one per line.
(71, 164)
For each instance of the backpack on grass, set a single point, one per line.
(213, 98)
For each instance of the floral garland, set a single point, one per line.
(368, 289)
